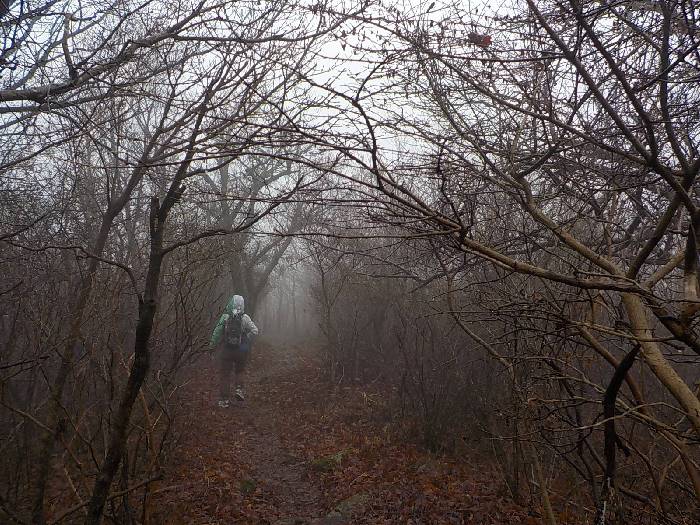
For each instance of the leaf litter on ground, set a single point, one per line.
(302, 450)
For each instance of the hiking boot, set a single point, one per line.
(239, 394)
(223, 403)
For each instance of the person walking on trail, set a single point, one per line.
(236, 329)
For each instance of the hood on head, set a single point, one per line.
(236, 305)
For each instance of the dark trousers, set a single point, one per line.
(232, 361)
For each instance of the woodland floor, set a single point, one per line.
(302, 451)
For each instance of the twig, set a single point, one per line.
(76, 508)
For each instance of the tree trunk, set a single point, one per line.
(657, 362)
(139, 369)
(55, 405)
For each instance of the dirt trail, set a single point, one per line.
(233, 465)
(300, 452)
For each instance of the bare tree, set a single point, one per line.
(119, 109)
(556, 141)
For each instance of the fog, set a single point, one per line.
(465, 235)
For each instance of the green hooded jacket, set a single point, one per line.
(236, 304)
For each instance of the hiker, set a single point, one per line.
(237, 330)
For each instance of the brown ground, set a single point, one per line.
(301, 451)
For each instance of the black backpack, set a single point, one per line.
(233, 329)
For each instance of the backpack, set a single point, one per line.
(233, 329)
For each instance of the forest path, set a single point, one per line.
(243, 463)
(299, 451)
